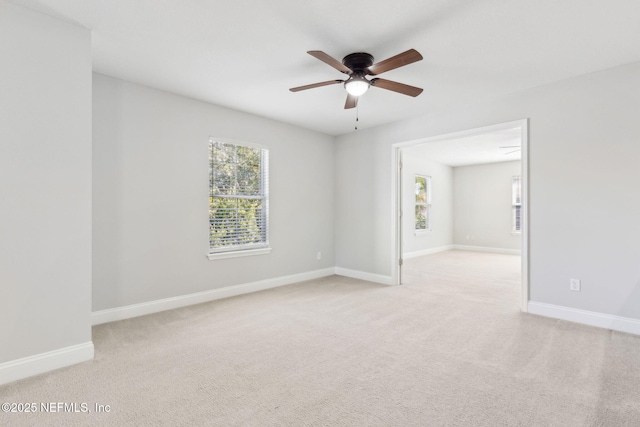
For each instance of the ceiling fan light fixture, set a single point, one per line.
(357, 85)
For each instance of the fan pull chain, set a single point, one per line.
(357, 111)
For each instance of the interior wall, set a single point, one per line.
(482, 209)
(150, 222)
(583, 176)
(45, 175)
(441, 204)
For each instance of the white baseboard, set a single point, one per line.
(44, 362)
(363, 275)
(487, 249)
(415, 254)
(141, 309)
(591, 318)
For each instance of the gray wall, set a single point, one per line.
(583, 152)
(150, 222)
(441, 203)
(482, 210)
(45, 184)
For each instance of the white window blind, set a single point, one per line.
(423, 203)
(238, 197)
(516, 202)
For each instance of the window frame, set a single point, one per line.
(239, 250)
(516, 204)
(426, 204)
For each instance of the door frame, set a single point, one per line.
(396, 194)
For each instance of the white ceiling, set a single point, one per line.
(245, 54)
(471, 150)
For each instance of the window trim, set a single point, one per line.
(251, 249)
(239, 253)
(427, 204)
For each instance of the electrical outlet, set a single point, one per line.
(319, 255)
(574, 284)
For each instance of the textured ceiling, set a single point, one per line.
(245, 54)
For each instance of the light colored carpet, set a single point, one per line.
(449, 348)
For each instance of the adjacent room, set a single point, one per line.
(267, 213)
(463, 194)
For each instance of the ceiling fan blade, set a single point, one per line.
(396, 87)
(400, 60)
(311, 86)
(352, 102)
(318, 54)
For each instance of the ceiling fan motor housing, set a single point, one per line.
(358, 62)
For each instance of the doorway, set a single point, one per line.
(518, 128)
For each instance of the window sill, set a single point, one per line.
(422, 232)
(235, 254)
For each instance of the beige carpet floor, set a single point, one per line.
(448, 348)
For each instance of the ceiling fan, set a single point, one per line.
(359, 65)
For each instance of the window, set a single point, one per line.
(423, 203)
(238, 199)
(516, 202)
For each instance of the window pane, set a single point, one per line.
(421, 217)
(223, 168)
(236, 221)
(516, 190)
(222, 221)
(421, 189)
(250, 221)
(249, 172)
(516, 201)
